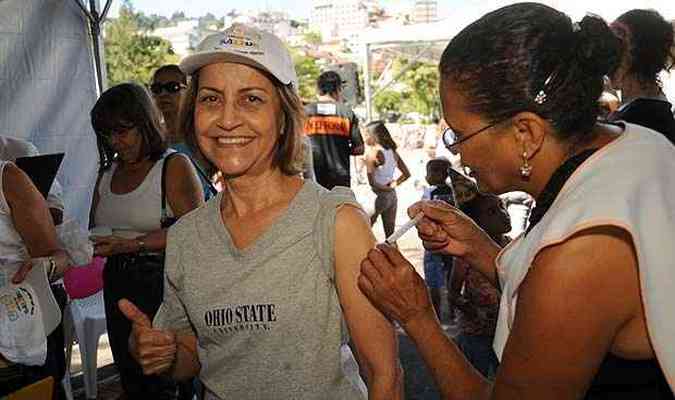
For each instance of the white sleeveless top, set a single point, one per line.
(385, 172)
(11, 245)
(137, 212)
(630, 184)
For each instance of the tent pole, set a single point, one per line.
(366, 81)
(95, 24)
(411, 64)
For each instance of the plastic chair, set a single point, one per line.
(86, 318)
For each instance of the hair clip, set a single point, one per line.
(540, 98)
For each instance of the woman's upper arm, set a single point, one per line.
(183, 190)
(401, 164)
(372, 333)
(30, 214)
(369, 159)
(575, 298)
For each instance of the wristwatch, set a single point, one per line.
(141, 245)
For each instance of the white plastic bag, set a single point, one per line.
(75, 241)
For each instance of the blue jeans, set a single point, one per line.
(478, 350)
(435, 270)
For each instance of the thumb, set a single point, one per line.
(393, 254)
(22, 272)
(133, 314)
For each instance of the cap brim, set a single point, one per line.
(194, 62)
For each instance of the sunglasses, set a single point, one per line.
(169, 87)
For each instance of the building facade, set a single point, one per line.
(425, 11)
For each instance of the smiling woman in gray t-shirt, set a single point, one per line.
(261, 290)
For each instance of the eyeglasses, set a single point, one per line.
(169, 87)
(451, 141)
(117, 132)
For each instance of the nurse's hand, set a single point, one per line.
(444, 229)
(392, 285)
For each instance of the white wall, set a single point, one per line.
(47, 87)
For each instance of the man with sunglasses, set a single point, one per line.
(333, 131)
(167, 87)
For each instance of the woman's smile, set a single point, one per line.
(234, 141)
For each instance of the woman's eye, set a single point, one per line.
(208, 99)
(253, 99)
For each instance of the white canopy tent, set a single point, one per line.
(429, 36)
(50, 76)
(439, 33)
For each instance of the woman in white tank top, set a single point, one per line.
(128, 202)
(382, 161)
(26, 233)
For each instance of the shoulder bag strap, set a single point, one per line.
(163, 184)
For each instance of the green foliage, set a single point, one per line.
(178, 16)
(131, 54)
(416, 90)
(308, 72)
(422, 79)
(312, 37)
(151, 22)
(388, 101)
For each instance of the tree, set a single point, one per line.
(178, 16)
(151, 22)
(312, 38)
(388, 102)
(308, 72)
(131, 54)
(416, 90)
(422, 79)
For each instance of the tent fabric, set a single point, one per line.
(47, 87)
(439, 31)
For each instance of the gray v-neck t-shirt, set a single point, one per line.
(267, 317)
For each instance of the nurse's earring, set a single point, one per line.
(525, 169)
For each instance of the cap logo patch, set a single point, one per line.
(243, 41)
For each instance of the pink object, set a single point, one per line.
(85, 280)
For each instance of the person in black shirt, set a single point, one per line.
(647, 41)
(333, 130)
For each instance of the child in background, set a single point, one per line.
(436, 266)
(478, 304)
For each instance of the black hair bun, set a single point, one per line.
(598, 50)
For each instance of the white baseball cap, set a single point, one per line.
(247, 45)
(28, 313)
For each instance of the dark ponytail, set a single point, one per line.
(531, 57)
(651, 43)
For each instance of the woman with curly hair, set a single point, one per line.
(647, 44)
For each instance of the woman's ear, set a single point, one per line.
(531, 129)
